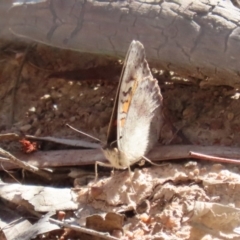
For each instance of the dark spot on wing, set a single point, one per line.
(127, 92)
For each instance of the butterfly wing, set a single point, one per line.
(139, 106)
(113, 126)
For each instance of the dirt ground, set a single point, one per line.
(57, 86)
(43, 88)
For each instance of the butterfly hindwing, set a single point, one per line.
(139, 106)
(135, 122)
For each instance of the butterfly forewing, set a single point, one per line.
(113, 125)
(132, 74)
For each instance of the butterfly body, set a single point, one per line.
(136, 119)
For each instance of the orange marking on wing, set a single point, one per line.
(126, 104)
(122, 122)
(125, 108)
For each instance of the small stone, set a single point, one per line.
(26, 127)
(72, 119)
(117, 233)
(46, 96)
(32, 109)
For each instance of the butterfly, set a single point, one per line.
(136, 117)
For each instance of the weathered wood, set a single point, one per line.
(197, 38)
(89, 157)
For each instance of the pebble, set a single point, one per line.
(32, 109)
(46, 96)
(72, 119)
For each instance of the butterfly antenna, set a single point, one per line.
(111, 144)
(83, 133)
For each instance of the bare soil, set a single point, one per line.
(57, 86)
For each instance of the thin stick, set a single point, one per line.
(83, 230)
(8, 172)
(75, 227)
(212, 158)
(16, 82)
(83, 133)
(25, 165)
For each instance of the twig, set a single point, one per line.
(212, 158)
(64, 141)
(75, 227)
(16, 82)
(9, 173)
(9, 137)
(83, 230)
(24, 165)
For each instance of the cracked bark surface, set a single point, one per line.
(195, 38)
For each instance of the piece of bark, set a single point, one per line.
(89, 157)
(216, 219)
(42, 226)
(9, 137)
(12, 224)
(196, 38)
(39, 198)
